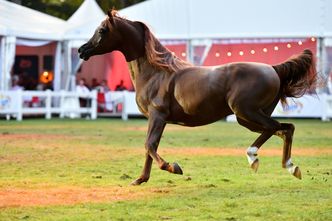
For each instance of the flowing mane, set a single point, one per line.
(158, 55)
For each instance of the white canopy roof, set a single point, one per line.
(189, 19)
(19, 21)
(82, 24)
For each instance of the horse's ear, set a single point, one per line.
(110, 16)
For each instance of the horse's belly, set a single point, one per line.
(199, 97)
(199, 113)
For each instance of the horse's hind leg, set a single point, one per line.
(286, 133)
(254, 147)
(257, 121)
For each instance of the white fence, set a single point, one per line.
(126, 99)
(19, 103)
(327, 107)
(316, 106)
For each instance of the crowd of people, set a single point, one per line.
(101, 87)
(19, 83)
(22, 82)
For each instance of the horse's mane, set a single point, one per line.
(158, 55)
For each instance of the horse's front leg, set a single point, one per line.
(146, 171)
(156, 127)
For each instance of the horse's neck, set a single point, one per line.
(141, 71)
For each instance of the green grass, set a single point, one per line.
(97, 154)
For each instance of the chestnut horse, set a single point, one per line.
(169, 90)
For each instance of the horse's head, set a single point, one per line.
(115, 33)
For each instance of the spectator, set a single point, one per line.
(94, 83)
(15, 84)
(81, 88)
(120, 86)
(103, 87)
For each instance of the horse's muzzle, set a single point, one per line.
(84, 51)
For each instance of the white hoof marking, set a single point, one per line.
(292, 169)
(252, 155)
(290, 166)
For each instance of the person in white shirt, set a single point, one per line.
(15, 84)
(82, 88)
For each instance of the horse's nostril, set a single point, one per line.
(80, 50)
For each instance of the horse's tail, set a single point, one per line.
(297, 75)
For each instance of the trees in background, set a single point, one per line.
(65, 8)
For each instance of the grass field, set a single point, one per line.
(81, 170)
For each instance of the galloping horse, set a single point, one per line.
(169, 90)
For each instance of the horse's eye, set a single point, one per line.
(102, 31)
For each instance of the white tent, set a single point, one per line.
(191, 19)
(82, 24)
(23, 22)
(80, 27)
(199, 23)
(23, 26)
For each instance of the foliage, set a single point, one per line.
(65, 8)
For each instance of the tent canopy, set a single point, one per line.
(23, 22)
(82, 24)
(190, 19)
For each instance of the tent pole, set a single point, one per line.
(321, 61)
(190, 54)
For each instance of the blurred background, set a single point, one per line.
(65, 8)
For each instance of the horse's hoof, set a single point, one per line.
(297, 173)
(177, 169)
(252, 158)
(255, 165)
(138, 181)
(292, 169)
